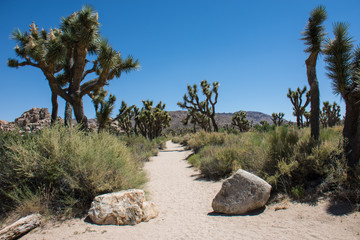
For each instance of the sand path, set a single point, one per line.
(184, 202)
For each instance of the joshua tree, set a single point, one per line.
(151, 121)
(103, 108)
(125, 117)
(343, 65)
(61, 54)
(330, 114)
(296, 100)
(203, 111)
(313, 36)
(307, 118)
(277, 118)
(239, 120)
(197, 118)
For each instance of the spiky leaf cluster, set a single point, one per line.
(202, 112)
(341, 69)
(314, 33)
(239, 120)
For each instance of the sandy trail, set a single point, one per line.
(184, 202)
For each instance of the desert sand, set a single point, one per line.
(184, 201)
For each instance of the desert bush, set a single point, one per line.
(203, 138)
(217, 155)
(66, 166)
(183, 139)
(288, 158)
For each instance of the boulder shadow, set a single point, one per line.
(88, 220)
(255, 212)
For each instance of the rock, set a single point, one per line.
(150, 211)
(20, 227)
(34, 119)
(240, 193)
(121, 208)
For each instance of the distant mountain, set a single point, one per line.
(221, 118)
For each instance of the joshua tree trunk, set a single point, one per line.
(68, 115)
(54, 112)
(315, 95)
(216, 129)
(79, 113)
(351, 131)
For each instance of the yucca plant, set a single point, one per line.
(314, 36)
(343, 66)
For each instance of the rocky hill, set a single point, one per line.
(37, 118)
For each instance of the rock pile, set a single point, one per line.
(34, 119)
(37, 118)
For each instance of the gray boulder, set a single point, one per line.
(122, 208)
(240, 193)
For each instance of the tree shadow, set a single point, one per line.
(340, 208)
(255, 212)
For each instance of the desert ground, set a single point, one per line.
(184, 201)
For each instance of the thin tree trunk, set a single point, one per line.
(55, 106)
(79, 113)
(216, 129)
(314, 95)
(351, 132)
(298, 120)
(68, 115)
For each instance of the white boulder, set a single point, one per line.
(240, 193)
(122, 208)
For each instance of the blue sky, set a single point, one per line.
(252, 48)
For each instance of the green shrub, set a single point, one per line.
(298, 192)
(288, 158)
(217, 162)
(71, 165)
(203, 138)
(143, 148)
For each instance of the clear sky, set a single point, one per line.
(252, 48)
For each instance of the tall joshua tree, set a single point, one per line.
(61, 54)
(203, 110)
(296, 100)
(343, 65)
(313, 36)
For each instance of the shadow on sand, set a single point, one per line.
(255, 212)
(339, 208)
